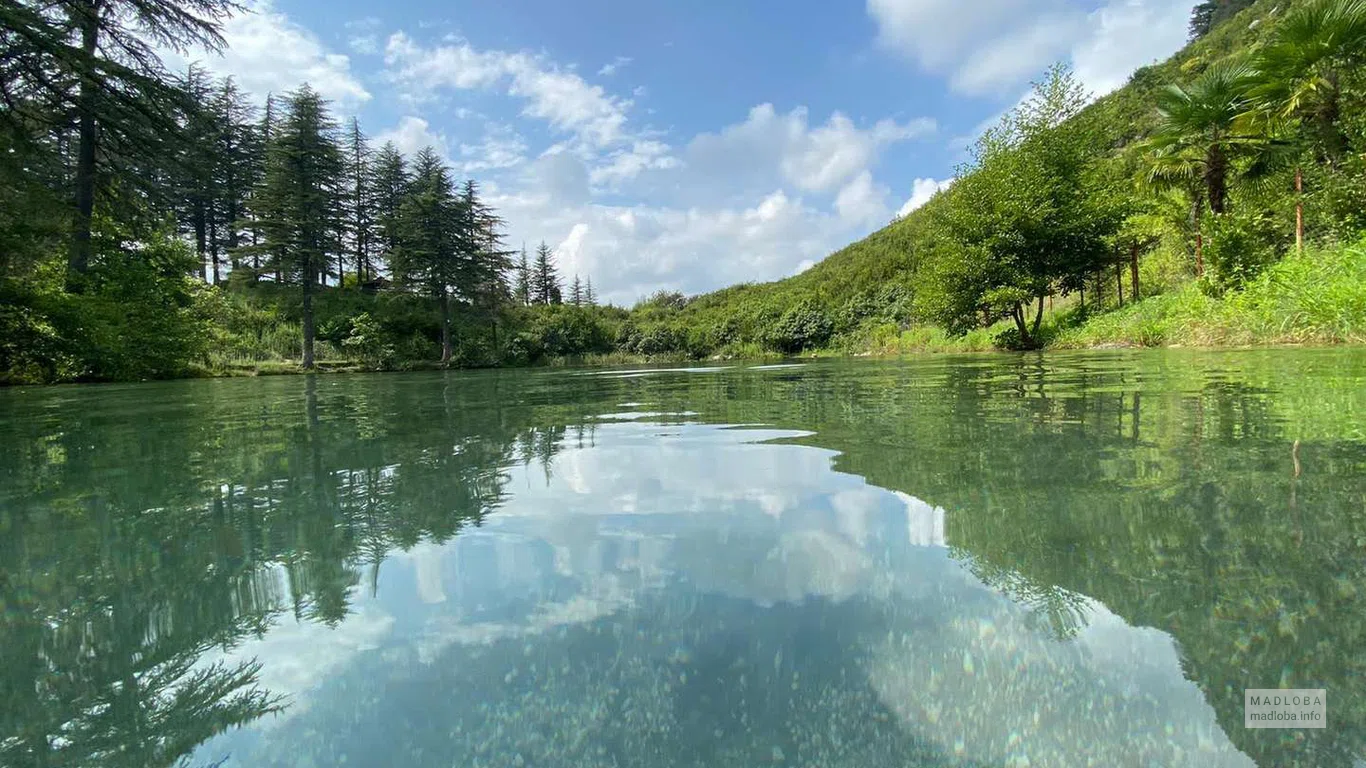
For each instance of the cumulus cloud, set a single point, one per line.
(921, 192)
(631, 251)
(560, 97)
(501, 147)
(1127, 34)
(770, 148)
(861, 201)
(1002, 43)
(266, 52)
(412, 134)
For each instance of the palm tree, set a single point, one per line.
(1299, 70)
(1199, 128)
(1178, 171)
(1299, 79)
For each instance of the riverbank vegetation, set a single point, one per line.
(157, 224)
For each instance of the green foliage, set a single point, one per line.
(1239, 246)
(802, 327)
(140, 317)
(1317, 297)
(368, 342)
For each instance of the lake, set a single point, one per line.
(997, 560)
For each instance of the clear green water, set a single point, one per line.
(979, 561)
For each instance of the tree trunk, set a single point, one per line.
(445, 327)
(1018, 314)
(1196, 214)
(201, 238)
(1133, 271)
(1299, 210)
(78, 260)
(1119, 283)
(308, 320)
(1038, 316)
(214, 248)
(1216, 178)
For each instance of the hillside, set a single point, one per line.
(877, 274)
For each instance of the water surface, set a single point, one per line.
(955, 561)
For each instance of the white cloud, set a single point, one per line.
(755, 200)
(625, 164)
(611, 67)
(921, 192)
(266, 52)
(562, 98)
(769, 148)
(861, 201)
(364, 44)
(1127, 34)
(1000, 44)
(1025, 51)
(501, 148)
(412, 134)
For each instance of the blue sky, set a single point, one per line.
(690, 145)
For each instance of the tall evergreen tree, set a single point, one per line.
(545, 283)
(359, 206)
(590, 298)
(576, 292)
(523, 290)
(430, 232)
(389, 181)
(95, 63)
(195, 166)
(241, 157)
(303, 182)
(486, 264)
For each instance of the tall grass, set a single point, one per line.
(1316, 297)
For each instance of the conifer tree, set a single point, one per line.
(545, 283)
(359, 206)
(298, 199)
(388, 183)
(589, 297)
(429, 228)
(523, 291)
(240, 163)
(576, 292)
(96, 63)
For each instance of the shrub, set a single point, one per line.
(368, 342)
(803, 326)
(1239, 246)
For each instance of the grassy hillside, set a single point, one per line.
(866, 292)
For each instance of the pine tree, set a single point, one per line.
(195, 166)
(96, 62)
(545, 284)
(487, 263)
(523, 291)
(240, 156)
(484, 279)
(389, 181)
(303, 182)
(576, 292)
(359, 206)
(430, 229)
(262, 138)
(589, 297)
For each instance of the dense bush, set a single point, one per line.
(804, 326)
(139, 316)
(1238, 247)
